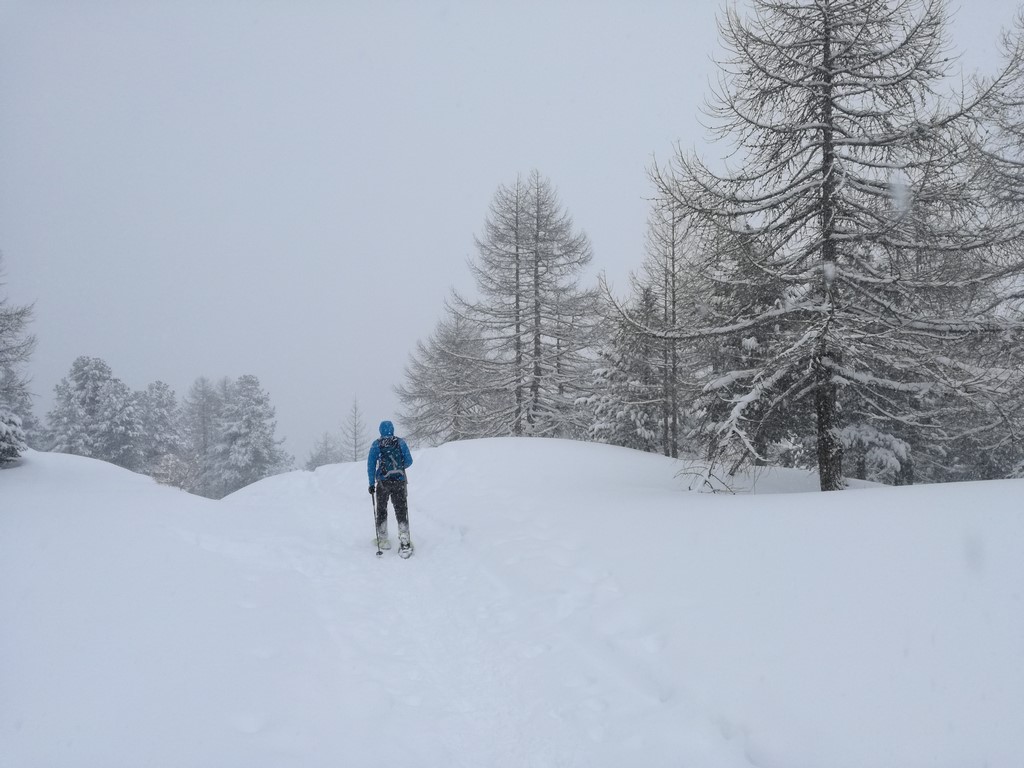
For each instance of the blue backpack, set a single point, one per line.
(390, 461)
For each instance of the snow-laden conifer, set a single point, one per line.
(628, 404)
(12, 436)
(248, 449)
(449, 390)
(160, 415)
(201, 426)
(868, 265)
(16, 346)
(533, 315)
(355, 440)
(95, 414)
(326, 450)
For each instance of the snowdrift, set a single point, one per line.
(568, 605)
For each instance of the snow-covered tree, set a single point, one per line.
(16, 398)
(349, 444)
(724, 283)
(73, 421)
(12, 437)
(661, 275)
(16, 346)
(1003, 123)
(248, 449)
(95, 415)
(858, 199)
(201, 426)
(161, 420)
(531, 311)
(449, 391)
(16, 402)
(327, 450)
(121, 428)
(627, 404)
(670, 243)
(989, 453)
(354, 443)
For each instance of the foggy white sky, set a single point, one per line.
(289, 189)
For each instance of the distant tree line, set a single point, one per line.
(220, 437)
(846, 295)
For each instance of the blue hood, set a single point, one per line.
(386, 429)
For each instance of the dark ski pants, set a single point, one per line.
(397, 491)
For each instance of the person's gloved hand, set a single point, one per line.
(373, 488)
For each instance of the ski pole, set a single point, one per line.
(373, 503)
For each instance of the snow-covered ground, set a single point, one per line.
(568, 605)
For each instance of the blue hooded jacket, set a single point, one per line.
(386, 430)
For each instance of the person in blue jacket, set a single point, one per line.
(386, 464)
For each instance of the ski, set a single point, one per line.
(405, 550)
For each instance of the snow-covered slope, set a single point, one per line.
(568, 605)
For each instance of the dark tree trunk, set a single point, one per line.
(826, 405)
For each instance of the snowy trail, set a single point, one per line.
(481, 648)
(439, 643)
(428, 650)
